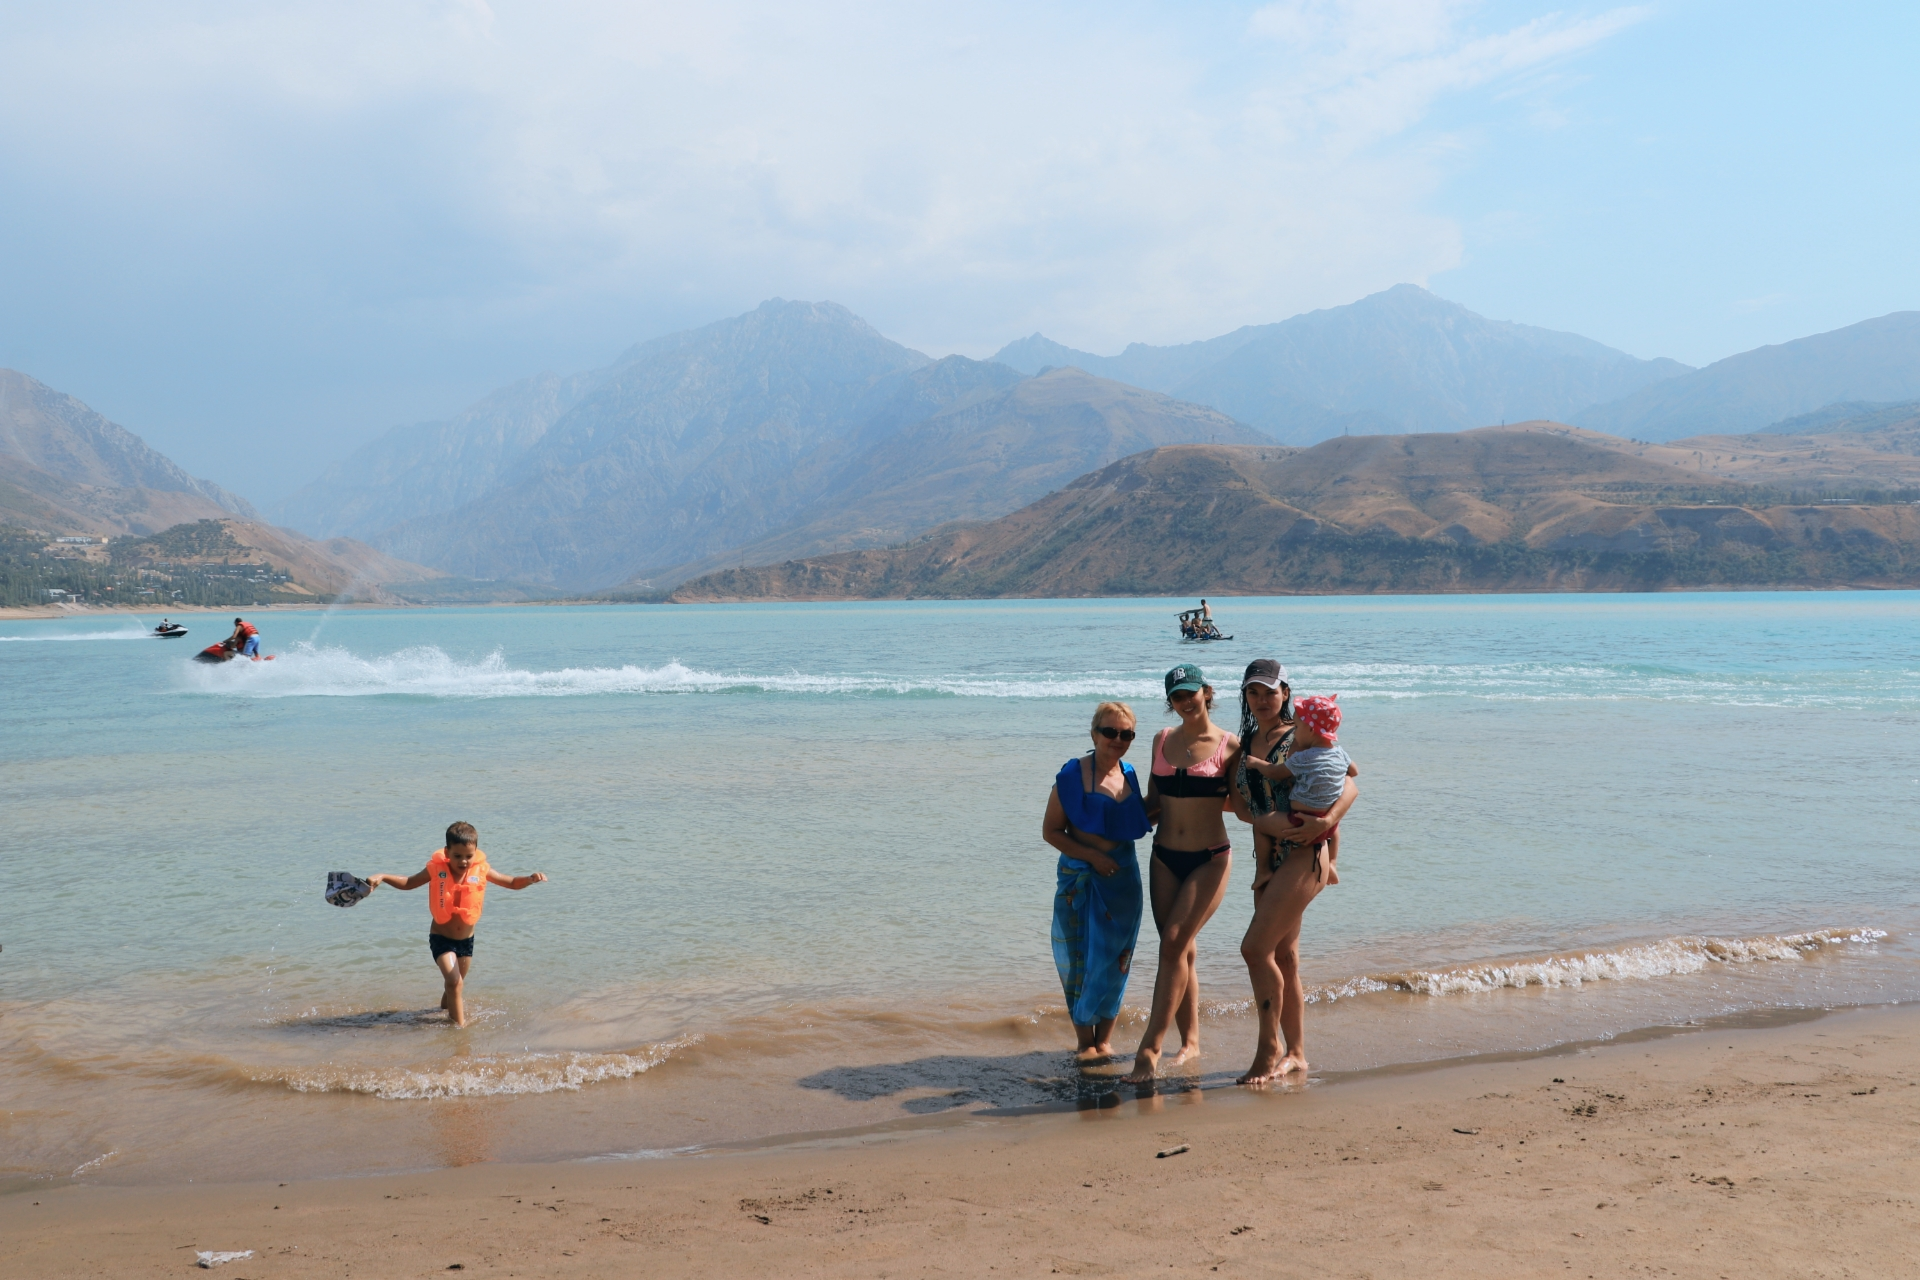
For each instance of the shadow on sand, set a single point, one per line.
(1024, 1084)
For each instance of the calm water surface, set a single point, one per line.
(796, 877)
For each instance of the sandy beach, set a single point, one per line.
(1783, 1150)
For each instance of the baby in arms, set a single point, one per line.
(1318, 766)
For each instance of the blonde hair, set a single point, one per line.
(1114, 708)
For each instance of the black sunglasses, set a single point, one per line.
(1108, 732)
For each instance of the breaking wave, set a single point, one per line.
(480, 1077)
(1667, 957)
(133, 633)
(427, 671)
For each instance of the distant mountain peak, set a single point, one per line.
(58, 435)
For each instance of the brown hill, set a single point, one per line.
(48, 432)
(1887, 457)
(979, 459)
(336, 566)
(38, 499)
(1531, 507)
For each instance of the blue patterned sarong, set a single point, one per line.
(1096, 921)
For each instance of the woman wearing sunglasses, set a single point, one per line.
(1291, 867)
(1094, 814)
(1187, 797)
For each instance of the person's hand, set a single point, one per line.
(1265, 768)
(1311, 830)
(1102, 865)
(538, 877)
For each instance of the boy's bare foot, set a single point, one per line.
(1093, 1053)
(1146, 1065)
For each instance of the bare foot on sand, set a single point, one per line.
(1146, 1065)
(1093, 1053)
(1291, 1063)
(1188, 1052)
(1266, 1067)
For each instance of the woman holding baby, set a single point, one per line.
(1293, 784)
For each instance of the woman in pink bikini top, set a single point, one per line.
(1187, 797)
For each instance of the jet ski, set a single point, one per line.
(169, 631)
(225, 652)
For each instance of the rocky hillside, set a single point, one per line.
(333, 567)
(1537, 506)
(66, 469)
(983, 457)
(793, 429)
(433, 467)
(50, 433)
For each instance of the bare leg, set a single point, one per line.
(1180, 910)
(1096, 1042)
(454, 969)
(1272, 952)
(1333, 858)
(1186, 1015)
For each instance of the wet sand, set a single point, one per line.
(1787, 1150)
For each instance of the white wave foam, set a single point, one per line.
(131, 634)
(481, 1077)
(1660, 959)
(95, 1163)
(428, 671)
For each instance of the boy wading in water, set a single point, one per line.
(458, 876)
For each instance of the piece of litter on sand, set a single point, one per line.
(214, 1259)
(1466, 1131)
(1171, 1151)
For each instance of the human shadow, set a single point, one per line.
(1026, 1083)
(371, 1020)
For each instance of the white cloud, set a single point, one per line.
(960, 174)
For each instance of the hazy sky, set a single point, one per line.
(260, 233)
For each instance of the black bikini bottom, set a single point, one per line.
(1184, 863)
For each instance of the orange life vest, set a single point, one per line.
(461, 898)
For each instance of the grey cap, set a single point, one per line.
(1264, 671)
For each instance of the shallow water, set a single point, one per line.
(797, 882)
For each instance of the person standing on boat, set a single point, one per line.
(1187, 797)
(1094, 814)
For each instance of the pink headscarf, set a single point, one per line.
(1321, 713)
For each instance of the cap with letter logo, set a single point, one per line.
(1185, 677)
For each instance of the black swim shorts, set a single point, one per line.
(440, 944)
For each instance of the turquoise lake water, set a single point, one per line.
(797, 882)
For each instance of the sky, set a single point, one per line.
(259, 234)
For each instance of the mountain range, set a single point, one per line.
(1536, 506)
(798, 430)
(1400, 360)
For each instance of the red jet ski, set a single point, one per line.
(225, 652)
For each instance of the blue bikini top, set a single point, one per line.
(1097, 813)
